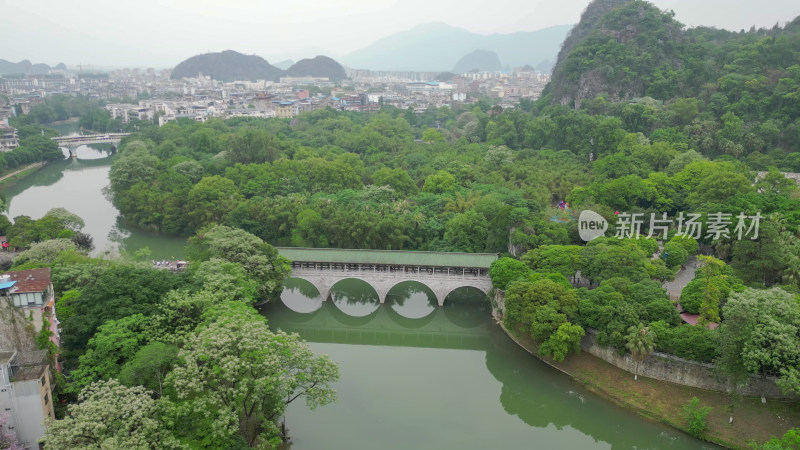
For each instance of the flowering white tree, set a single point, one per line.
(260, 261)
(110, 415)
(238, 376)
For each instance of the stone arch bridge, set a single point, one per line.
(383, 269)
(73, 142)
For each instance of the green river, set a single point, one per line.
(413, 375)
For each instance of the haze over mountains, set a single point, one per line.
(438, 47)
(25, 66)
(434, 47)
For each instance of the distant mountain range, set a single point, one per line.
(232, 66)
(285, 64)
(480, 60)
(8, 68)
(438, 47)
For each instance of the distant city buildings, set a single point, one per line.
(133, 94)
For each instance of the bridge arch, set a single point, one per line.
(481, 289)
(413, 310)
(301, 296)
(357, 306)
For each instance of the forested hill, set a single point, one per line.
(624, 49)
(227, 66)
(234, 66)
(321, 66)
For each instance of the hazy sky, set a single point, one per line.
(161, 33)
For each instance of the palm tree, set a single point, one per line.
(641, 342)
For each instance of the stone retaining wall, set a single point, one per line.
(665, 367)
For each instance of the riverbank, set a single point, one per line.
(64, 122)
(21, 173)
(664, 402)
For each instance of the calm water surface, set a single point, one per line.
(78, 185)
(418, 376)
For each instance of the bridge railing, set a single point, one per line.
(395, 271)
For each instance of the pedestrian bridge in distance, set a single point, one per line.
(441, 272)
(73, 142)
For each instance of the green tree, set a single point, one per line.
(466, 232)
(149, 366)
(675, 254)
(506, 270)
(640, 342)
(115, 343)
(607, 259)
(210, 200)
(566, 340)
(397, 179)
(439, 183)
(432, 135)
(241, 376)
(761, 335)
(564, 259)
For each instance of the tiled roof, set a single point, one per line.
(34, 280)
(395, 257)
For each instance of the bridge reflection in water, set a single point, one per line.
(409, 317)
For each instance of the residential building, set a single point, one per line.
(8, 138)
(25, 394)
(32, 291)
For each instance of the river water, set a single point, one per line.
(413, 375)
(418, 376)
(78, 185)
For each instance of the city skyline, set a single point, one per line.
(161, 34)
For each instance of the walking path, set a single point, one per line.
(682, 278)
(40, 164)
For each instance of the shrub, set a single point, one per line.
(696, 417)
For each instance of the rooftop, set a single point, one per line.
(5, 357)
(393, 257)
(33, 280)
(27, 365)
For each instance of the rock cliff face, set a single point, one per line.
(227, 66)
(321, 66)
(618, 49)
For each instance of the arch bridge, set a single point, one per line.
(383, 269)
(73, 142)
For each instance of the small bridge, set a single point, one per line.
(73, 142)
(383, 269)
